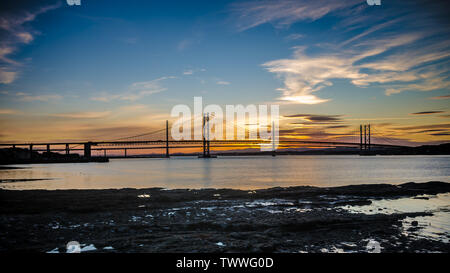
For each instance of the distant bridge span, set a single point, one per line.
(89, 146)
(162, 142)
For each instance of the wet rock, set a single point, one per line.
(122, 229)
(241, 228)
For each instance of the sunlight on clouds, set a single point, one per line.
(304, 75)
(307, 99)
(395, 53)
(411, 69)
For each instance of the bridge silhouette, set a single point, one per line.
(136, 142)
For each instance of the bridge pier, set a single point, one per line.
(31, 151)
(48, 148)
(125, 152)
(67, 149)
(87, 149)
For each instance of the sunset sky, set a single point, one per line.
(109, 69)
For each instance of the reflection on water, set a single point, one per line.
(253, 172)
(436, 226)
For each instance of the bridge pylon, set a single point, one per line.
(167, 139)
(205, 137)
(365, 146)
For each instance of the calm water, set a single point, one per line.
(231, 172)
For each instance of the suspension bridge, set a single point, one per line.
(363, 139)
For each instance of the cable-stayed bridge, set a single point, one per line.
(160, 139)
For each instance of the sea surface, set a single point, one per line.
(238, 172)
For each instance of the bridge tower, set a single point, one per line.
(360, 138)
(205, 137)
(274, 150)
(167, 139)
(365, 137)
(364, 146)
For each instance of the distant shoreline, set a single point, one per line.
(5, 165)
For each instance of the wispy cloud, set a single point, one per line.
(294, 36)
(9, 112)
(316, 118)
(223, 83)
(338, 126)
(134, 108)
(379, 61)
(82, 115)
(283, 13)
(428, 112)
(135, 91)
(445, 97)
(192, 71)
(428, 126)
(7, 76)
(406, 52)
(184, 44)
(303, 75)
(441, 134)
(15, 34)
(43, 97)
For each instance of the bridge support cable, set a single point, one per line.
(387, 139)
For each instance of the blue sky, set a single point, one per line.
(115, 66)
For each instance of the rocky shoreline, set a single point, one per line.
(294, 219)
